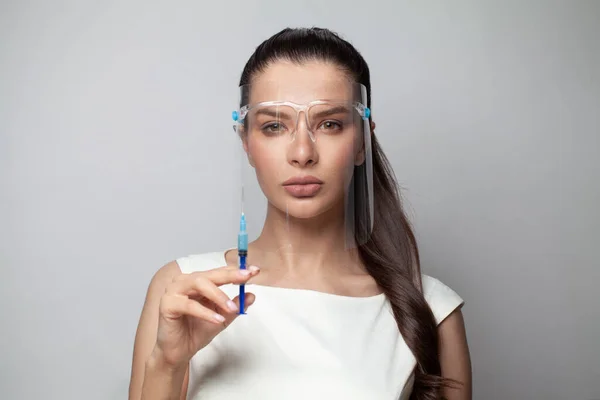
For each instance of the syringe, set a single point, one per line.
(242, 254)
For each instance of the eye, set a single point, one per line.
(331, 126)
(273, 128)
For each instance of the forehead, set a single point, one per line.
(301, 83)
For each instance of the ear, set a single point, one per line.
(246, 150)
(360, 156)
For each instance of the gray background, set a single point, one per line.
(116, 156)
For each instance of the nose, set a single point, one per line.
(302, 150)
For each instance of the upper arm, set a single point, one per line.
(455, 360)
(454, 357)
(145, 337)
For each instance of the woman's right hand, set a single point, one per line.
(193, 310)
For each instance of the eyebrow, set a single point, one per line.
(331, 111)
(323, 113)
(271, 113)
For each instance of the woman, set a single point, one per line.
(335, 321)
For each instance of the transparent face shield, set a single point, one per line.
(305, 166)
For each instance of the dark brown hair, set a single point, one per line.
(390, 254)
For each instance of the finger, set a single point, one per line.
(249, 301)
(200, 286)
(175, 306)
(228, 268)
(222, 276)
(250, 297)
(231, 317)
(252, 268)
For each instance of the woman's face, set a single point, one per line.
(303, 170)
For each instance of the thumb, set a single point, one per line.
(249, 301)
(231, 317)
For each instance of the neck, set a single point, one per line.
(306, 245)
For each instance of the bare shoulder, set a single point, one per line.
(164, 276)
(145, 337)
(159, 283)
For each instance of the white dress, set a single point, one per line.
(303, 344)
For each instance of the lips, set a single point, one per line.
(303, 186)
(303, 180)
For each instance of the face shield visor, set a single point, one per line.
(305, 165)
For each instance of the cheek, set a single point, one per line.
(342, 158)
(265, 160)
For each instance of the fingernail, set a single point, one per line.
(253, 268)
(219, 318)
(231, 305)
(244, 272)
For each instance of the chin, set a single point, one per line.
(306, 207)
(303, 211)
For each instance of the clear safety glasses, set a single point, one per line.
(282, 118)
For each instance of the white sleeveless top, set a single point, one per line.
(303, 344)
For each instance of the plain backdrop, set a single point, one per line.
(117, 156)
